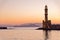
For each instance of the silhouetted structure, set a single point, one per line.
(46, 22)
(55, 26)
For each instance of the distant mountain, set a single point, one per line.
(23, 25)
(29, 25)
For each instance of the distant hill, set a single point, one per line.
(23, 25)
(29, 25)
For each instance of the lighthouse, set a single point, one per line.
(46, 13)
(46, 22)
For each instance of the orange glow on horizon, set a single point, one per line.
(19, 21)
(29, 11)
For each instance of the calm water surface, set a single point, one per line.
(27, 34)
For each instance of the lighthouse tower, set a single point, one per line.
(46, 22)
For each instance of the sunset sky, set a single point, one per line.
(28, 11)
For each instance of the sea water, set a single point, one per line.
(27, 33)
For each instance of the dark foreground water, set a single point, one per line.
(28, 33)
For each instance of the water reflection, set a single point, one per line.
(46, 34)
